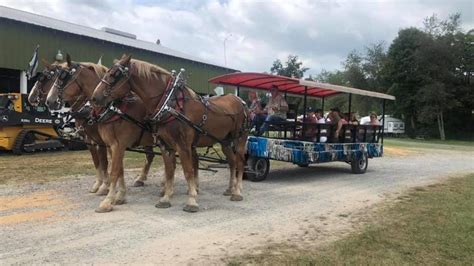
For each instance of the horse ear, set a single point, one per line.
(45, 63)
(126, 60)
(68, 60)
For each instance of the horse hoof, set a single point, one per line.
(163, 205)
(138, 183)
(162, 193)
(119, 202)
(191, 208)
(103, 209)
(102, 191)
(93, 190)
(227, 192)
(236, 198)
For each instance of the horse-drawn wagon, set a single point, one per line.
(286, 141)
(140, 104)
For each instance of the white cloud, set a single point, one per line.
(321, 33)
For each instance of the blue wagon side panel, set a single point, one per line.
(303, 152)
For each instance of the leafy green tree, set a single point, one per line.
(292, 67)
(403, 72)
(427, 70)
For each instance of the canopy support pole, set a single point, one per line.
(350, 105)
(383, 119)
(285, 95)
(304, 110)
(322, 105)
(238, 91)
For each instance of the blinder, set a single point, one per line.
(63, 80)
(119, 73)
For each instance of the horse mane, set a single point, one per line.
(100, 70)
(147, 70)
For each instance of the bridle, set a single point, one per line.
(64, 80)
(120, 72)
(45, 75)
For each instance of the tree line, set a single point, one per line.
(429, 70)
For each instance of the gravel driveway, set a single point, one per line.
(55, 222)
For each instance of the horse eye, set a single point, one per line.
(117, 73)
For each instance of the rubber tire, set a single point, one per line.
(264, 167)
(359, 166)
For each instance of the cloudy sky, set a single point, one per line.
(321, 33)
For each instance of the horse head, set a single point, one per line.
(65, 87)
(114, 85)
(44, 82)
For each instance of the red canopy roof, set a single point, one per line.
(264, 81)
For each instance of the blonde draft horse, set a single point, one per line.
(227, 118)
(117, 135)
(38, 95)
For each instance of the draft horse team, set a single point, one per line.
(135, 103)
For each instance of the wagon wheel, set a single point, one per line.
(259, 168)
(359, 165)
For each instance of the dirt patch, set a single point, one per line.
(36, 206)
(26, 217)
(33, 200)
(394, 151)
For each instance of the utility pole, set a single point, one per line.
(225, 55)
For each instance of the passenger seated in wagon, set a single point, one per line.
(351, 119)
(373, 119)
(257, 114)
(337, 121)
(309, 120)
(276, 108)
(311, 131)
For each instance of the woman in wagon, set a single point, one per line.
(257, 114)
(337, 121)
(309, 120)
(315, 116)
(373, 119)
(352, 119)
(276, 108)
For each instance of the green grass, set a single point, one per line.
(430, 144)
(431, 225)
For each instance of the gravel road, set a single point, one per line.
(55, 222)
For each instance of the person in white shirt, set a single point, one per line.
(320, 120)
